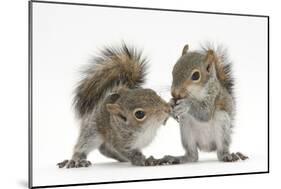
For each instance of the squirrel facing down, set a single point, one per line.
(203, 103)
(118, 117)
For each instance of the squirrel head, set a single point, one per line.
(191, 73)
(137, 108)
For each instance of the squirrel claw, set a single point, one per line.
(74, 163)
(62, 164)
(169, 160)
(179, 108)
(233, 157)
(166, 160)
(242, 156)
(151, 161)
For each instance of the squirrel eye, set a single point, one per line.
(195, 76)
(139, 114)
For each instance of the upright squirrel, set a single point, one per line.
(203, 103)
(117, 116)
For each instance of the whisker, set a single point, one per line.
(190, 94)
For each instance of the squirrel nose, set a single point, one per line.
(168, 109)
(178, 93)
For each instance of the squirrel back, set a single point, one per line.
(121, 67)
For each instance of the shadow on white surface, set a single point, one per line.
(115, 171)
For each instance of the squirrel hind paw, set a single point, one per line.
(233, 157)
(242, 156)
(169, 160)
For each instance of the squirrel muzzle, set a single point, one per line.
(178, 93)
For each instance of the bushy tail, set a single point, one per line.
(223, 66)
(114, 67)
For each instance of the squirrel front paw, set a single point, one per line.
(139, 162)
(151, 161)
(166, 160)
(169, 160)
(74, 163)
(180, 107)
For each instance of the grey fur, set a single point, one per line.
(204, 109)
(108, 151)
(225, 63)
(90, 89)
(106, 100)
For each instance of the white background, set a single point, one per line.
(15, 95)
(65, 37)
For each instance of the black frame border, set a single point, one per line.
(30, 90)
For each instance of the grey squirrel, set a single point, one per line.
(118, 117)
(203, 103)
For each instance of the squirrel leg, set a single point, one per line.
(111, 153)
(191, 155)
(188, 142)
(135, 157)
(87, 142)
(223, 153)
(223, 132)
(223, 139)
(226, 156)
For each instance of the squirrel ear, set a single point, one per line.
(116, 110)
(211, 56)
(113, 97)
(211, 59)
(113, 108)
(185, 49)
(121, 90)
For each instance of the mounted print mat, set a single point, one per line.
(120, 94)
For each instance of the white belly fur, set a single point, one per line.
(145, 137)
(206, 135)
